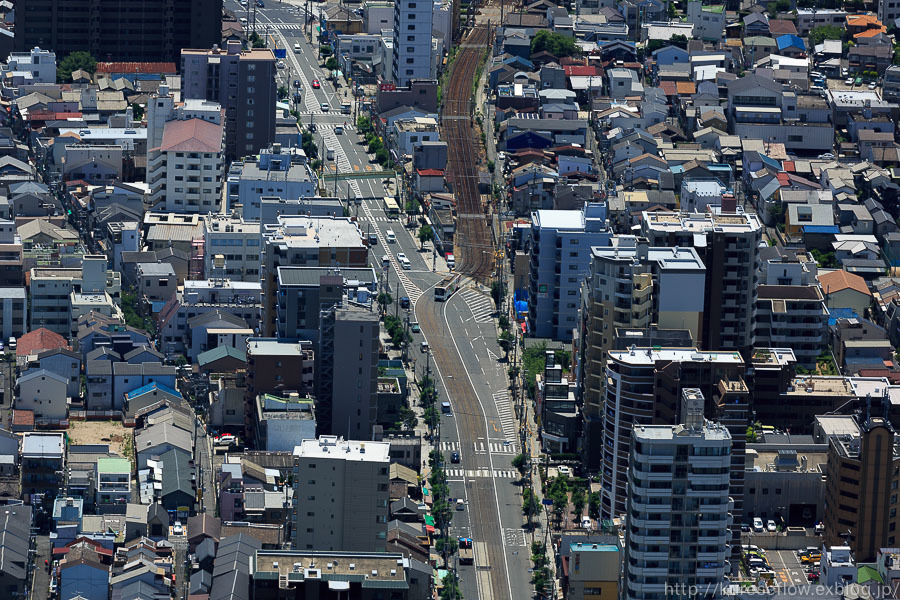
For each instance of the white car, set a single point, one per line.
(178, 528)
(848, 81)
(460, 504)
(501, 156)
(585, 522)
(770, 526)
(404, 262)
(758, 525)
(873, 86)
(280, 64)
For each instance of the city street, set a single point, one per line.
(461, 332)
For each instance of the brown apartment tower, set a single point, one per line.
(118, 30)
(243, 82)
(861, 489)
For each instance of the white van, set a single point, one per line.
(385, 261)
(391, 238)
(338, 129)
(297, 48)
(329, 154)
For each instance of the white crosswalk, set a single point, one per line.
(450, 446)
(331, 126)
(290, 26)
(411, 289)
(496, 473)
(496, 448)
(505, 411)
(514, 537)
(482, 306)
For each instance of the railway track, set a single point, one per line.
(473, 245)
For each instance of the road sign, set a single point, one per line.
(547, 502)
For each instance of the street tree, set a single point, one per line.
(425, 234)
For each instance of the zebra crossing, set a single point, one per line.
(505, 412)
(331, 126)
(481, 447)
(496, 447)
(482, 306)
(471, 473)
(288, 26)
(343, 163)
(411, 289)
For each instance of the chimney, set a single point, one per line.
(729, 203)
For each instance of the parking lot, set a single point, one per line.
(787, 567)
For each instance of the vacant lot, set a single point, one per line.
(100, 432)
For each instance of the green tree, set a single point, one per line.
(519, 462)
(256, 41)
(137, 110)
(678, 40)
(530, 504)
(450, 589)
(282, 92)
(332, 64)
(825, 32)
(578, 501)
(498, 291)
(425, 234)
(408, 419)
(594, 505)
(503, 322)
(505, 341)
(411, 207)
(73, 62)
(363, 124)
(557, 44)
(384, 299)
(325, 51)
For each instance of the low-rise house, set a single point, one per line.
(846, 290)
(156, 440)
(43, 460)
(15, 543)
(43, 393)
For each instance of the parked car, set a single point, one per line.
(770, 526)
(758, 525)
(848, 81)
(460, 504)
(178, 528)
(873, 86)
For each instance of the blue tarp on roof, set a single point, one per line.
(821, 229)
(149, 388)
(789, 40)
(841, 313)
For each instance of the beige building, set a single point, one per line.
(341, 492)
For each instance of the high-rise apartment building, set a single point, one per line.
(795, 317)
(340, 495)
(630, 285)
(676, 542)
(135, 31)
(861, 488)
(347, 371)
(644, 387)
(308, 242)
(560, 259)
(728, 244)
(412, 41)
(243, 82)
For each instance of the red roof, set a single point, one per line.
(167, 68)
(23, 418)
(191, 135)
(51, 115)
(430, 172)
(789, 166)
(579, 70)
(783, 179)
(39, 340)
(668, 88)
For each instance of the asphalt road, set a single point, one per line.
(461, 333)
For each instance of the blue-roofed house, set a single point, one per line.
(145, 397)
(790, 45)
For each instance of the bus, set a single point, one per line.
(446, 288)
(391, 208)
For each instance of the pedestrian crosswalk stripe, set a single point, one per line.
(291, 26)
(505, 412)
(450, 446)
(496, 448)
(482, 306)
(485, 473)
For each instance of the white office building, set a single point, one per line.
(340, 495)
(237, 241)
(413, 20)
(679, 523)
